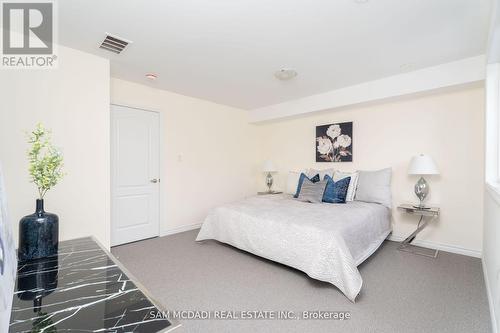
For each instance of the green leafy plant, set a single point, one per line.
(45, 161)
(43, 323)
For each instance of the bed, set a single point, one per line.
(326, 241)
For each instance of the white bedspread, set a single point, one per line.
(326, 241)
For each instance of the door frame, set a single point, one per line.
(161, 193)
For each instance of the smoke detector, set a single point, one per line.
(151, 76)
(285, 74)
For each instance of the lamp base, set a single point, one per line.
(269, 182)
(421, 191)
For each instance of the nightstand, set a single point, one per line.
(425, 216)
(267, 192)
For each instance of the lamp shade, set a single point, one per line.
(423, 165)
(268, 167)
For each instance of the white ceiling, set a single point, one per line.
(226, 51)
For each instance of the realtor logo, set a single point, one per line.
(28, 34)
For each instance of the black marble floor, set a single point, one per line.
(81, 290)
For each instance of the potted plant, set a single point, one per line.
(39, 232)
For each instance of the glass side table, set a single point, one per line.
(427, 215)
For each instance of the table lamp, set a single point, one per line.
(422, 165)
(269, 169)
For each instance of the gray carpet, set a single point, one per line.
(402, 292)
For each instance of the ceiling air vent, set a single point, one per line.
(114, 44)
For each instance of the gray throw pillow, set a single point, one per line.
(312, 192)
(375, 186)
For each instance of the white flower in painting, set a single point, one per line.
(343, 141)
(324, 146)
(333, 131)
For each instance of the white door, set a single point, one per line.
(135, 167)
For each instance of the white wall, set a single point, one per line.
(447, 125)
(491, 244)
(73, 101)
(491, 247)
(491, 252)
(209, 152)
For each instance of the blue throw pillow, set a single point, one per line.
(314, 179)
(336, 192)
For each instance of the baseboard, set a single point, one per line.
(494, 327)
(180, 229)
(439, 246)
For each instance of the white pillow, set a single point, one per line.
(313, 172)
(292, 181)
(353, 183)
(375, 186)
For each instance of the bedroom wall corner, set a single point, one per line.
(208, 151)
(448, 125)
(73, 101)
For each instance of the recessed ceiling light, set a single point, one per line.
(151, 76)
(285, 74)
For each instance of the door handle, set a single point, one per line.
(154, 180)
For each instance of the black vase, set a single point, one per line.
(38, 234)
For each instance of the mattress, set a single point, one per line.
(326, 241)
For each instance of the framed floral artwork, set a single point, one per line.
(334, 142)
